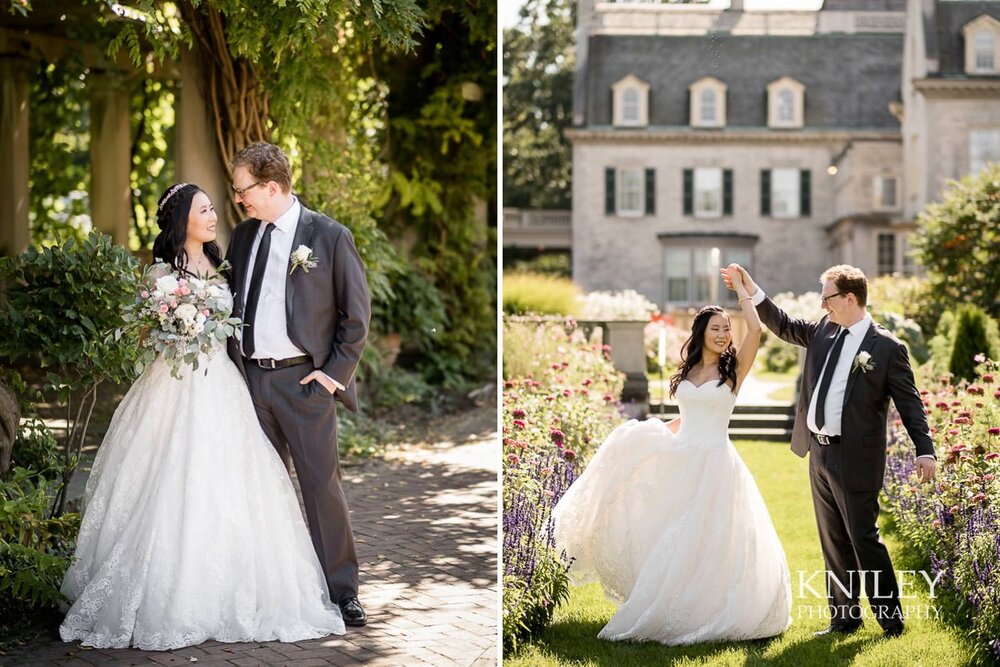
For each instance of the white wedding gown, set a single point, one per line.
(192, 529)
(675, 530)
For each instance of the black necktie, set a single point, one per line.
(253, 295)
(824, 385)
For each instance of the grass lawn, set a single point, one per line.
(571, 639)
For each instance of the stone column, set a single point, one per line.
(196, 159)
(110, 153)
(15, 231)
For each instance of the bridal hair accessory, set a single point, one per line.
(170, 193)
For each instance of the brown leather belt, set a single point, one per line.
(275, 364)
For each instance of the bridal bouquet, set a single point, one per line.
(181, 316)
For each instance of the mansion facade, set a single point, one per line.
(784, 141)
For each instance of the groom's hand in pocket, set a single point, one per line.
(323, 379)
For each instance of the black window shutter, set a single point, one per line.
(727, 192)
(689, 192)
(765, 192)
(650, 192)
(805, 193)
(609, 191)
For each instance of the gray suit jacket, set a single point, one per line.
(328, 309)
(866, 401)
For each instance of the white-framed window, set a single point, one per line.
(984, 148)
(785, 193)
(631, 193)
(708, 192)
(886, 193)
(630, 102)
(982, 39)
(785, 103)
(691, 271)
(708, 103)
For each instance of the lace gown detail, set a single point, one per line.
(675, 529)
(192, 529)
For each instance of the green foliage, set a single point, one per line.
(441, 152)
(59, 140)
(60, 305)
(539, 294)
(895, 303)
(958, 241)
(970, 340)
(152, 125)
(539, 59)
(35, 550)
(549, 263)
(36, 448)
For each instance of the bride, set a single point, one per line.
(668, 518)
(192, 529)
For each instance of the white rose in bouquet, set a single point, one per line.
(186, 312)
(167, 284)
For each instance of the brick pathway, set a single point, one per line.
(426, 531)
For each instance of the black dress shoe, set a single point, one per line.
(353, 613)
(837, 630)
(893, 631)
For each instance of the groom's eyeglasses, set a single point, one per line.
(824, 299)
(243, 191)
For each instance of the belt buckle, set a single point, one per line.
(822, 439)
(262, 363)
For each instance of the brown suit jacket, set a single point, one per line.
(327, 309)
(866, 401)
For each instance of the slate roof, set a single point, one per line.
(947, 21)
(850, 79)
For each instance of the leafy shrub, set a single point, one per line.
(970, 340)
(61, 304)
(35, 550)
(776, 355)
(528, 293)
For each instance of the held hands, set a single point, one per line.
(926, 468)
(737, 279)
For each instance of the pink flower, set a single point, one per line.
(144, 294)
(205, 312)
(518, 414)
(988, 378)
(547, 470)
(567, 393)
(163, 308)
(992, 456)
(978, 498)
(519, 423)
(952, 432)
(962, 420)
(994, 430)
(569, 455)
(975, 390)
(513, 459)
(557, 436)
(936, 523)
(979, 358)
(608, 398)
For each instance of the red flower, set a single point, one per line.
(557, 436)
(988, 378)
(513, 459)
(608, 398)
(519, 423)
(567, 393)
(941, 405)
(518, 414)
(978, 498)
(991, 456)
(587, 382)
(962, 420)
(569, 455)
(975, 390)
(994, 430)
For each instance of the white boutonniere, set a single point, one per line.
(864, 362)
(303, 256)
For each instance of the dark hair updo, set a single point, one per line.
(173, 211)
(692, 351)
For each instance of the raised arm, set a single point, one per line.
(746, 351)
(789, 329)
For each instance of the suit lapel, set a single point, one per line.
(303, 232)
(866, 346)
(243, 257)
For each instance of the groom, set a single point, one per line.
(852, 368)
(300, 288)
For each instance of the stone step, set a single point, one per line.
(671, 408)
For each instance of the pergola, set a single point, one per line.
(44, 35)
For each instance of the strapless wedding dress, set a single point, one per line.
(675, 529)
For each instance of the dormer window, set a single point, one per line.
(708, 103)
(982, 38)
(630, 102)
(785, 103)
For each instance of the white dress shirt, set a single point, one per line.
(270, 324)
(838, 384)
